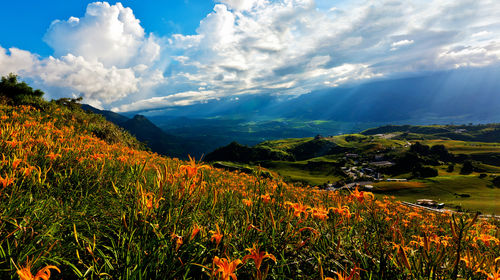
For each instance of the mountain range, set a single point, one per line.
(459, 96)
(454, 96)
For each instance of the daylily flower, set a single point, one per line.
(216, 235)
(42, 274)
(6, 181)
(178, 240)
(226, 268)
(247, 202)
(191, 169)
(196, 229)
(53, 156)
(258, 256)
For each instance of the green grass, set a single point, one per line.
(284, 144)
(442, 188)
(297, 171)
(465, 147)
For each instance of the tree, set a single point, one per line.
(467, 168)
(14, 90)
(441, 152)
(496, 182)
(420, 149)
(424, 172)
(451, 168)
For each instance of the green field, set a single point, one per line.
(318, 160)
(482, 198)
(298, 172)
(465, 147)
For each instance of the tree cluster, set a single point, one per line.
(13, 91)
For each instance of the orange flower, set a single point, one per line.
(42, 274)
(258, 256)
(358, 195)
(178, 240)
(6, 181)
(320, 213)
(495, 273)
(487, 239)
(341, 210)
(216, 235)
(298, 208)
(16, 163)
(266, 198)
(27, 170)
(191, 169)
(247, 202)
(53, 156)
(343, 276)
(195, 231)
(226, 268)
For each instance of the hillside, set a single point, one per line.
(148, 133)
(475, 133)
(76, 206)
(461, 174)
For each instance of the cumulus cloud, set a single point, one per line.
(92, 78)
(107, 33)
(259, 46)
(292, 46)
(243, 5)
(16, 61)
(105, 56)
(173, 100)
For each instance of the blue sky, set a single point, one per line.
(24, 23)
(134, 55)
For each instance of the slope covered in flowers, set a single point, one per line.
(73, 206)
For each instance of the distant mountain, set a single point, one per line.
(455, 96)
(475, 133)
(369, 141)
(145, 131)
(109, 115)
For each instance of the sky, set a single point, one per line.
(141, 55)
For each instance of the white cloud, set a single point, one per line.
(243, 5)
(91, 78)
(259, 46)
(481, 34)
(104, 56)
(399, 44)
(15, 61)
(475, 56)
(107, 33)
(178, 99)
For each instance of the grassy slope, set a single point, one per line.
(443, 188)
(483, 197)
(101, 210)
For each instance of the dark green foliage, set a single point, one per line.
(424, 172)
(467, 168)
(441, 152)
(312, 149)
(18, 92)
(496, 182)
(420, 149)
(450, 168)
(72, 103)
(241, 153)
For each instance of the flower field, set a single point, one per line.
(74, 206)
